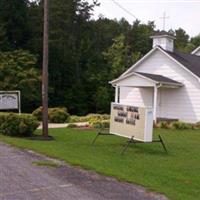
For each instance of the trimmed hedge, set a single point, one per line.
(56, 115)
(18, 125)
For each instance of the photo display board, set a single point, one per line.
(9, 100)
(130, 121)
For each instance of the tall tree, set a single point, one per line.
(139, 37)
(14, 22)
(182, 39)
(119, 56)
(68, 36)
(195, 40)
(18, 73)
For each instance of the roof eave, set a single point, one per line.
(160, 36)
(130, 74)
(196, 50)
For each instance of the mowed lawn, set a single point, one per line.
(176, 174)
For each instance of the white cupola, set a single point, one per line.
(164, 40)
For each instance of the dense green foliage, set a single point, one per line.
(174, 174)
(85, 54)
(55, 115)
(14, 24)
(18, 72)
(17, 125)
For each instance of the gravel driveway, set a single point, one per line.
(21, 180)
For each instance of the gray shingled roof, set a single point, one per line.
(190, 61)
(159, 78)
(160, 33)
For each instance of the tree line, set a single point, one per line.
(85, 54)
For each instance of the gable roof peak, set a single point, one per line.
(189, 62)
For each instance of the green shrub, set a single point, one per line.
(56, 115)
(175, 125)
(3, 117)
(75, 119)
(197, 125)
(182, 125)
(89, 117)
(100, 124)
(18, 125)
(93, 117)
(38, 113)
(164, 124)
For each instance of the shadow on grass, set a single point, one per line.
(145, 149)
(40, 138)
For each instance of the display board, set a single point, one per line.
(10, 100)
(130, 121)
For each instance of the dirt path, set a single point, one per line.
(21, 180)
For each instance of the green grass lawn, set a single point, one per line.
(176, 174)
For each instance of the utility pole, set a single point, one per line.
(45, 69)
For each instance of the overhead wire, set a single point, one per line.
(124, 9)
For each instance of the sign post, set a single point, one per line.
(10, 100)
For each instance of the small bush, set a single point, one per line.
(156, 125)
(94, 117)
(38, 113)
(75, 119)
(175, 125)
(182, 125)
(164, 124)
(197, 125)
(89, 117)
(100, 124)
(18, 125)
(56, 115)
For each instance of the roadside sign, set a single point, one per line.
(10, 100)
(130, 121)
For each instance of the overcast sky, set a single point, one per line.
(182, 13)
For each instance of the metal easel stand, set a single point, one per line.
(100, 132)
(132, 141)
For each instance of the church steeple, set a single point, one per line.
(164, 40)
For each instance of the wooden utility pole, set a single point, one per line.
(45, 69)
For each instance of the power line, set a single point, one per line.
(124, 9)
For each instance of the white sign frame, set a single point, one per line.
(141, 129)
(16, 92)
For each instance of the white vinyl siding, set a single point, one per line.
(182, 103)
(141, 97)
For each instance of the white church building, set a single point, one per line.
(164, 79)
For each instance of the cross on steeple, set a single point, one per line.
(164, 19)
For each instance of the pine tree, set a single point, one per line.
(14, 22)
